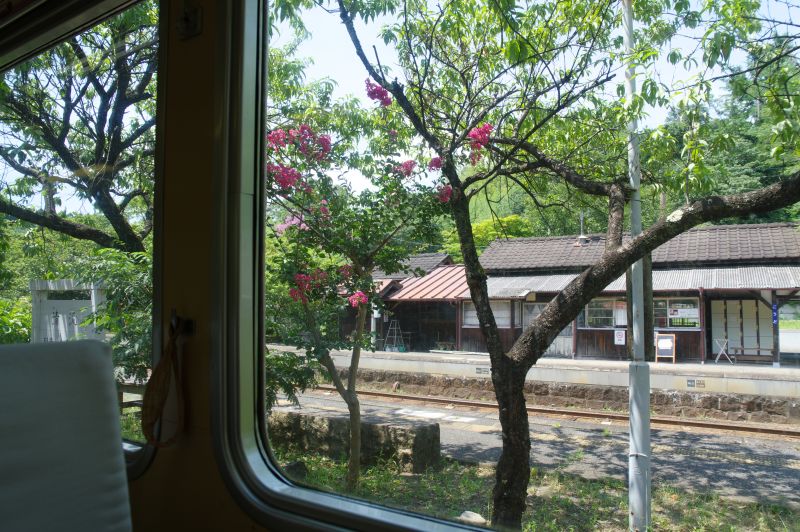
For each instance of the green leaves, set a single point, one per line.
(15, 321)
(718, 47)
(126, 314)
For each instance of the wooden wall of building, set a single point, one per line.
(599, 343)
(472, 339)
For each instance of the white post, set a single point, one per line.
(639, 371)
(376, 316)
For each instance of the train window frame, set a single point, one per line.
(238, 420)
(43, 25)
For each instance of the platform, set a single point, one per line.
(707, 378)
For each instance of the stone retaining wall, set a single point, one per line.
(731, 407)
(415, 445)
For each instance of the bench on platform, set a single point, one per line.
(751, 354)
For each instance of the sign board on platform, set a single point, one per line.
(619, 337)
(665, 346)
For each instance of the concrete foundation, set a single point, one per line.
(415, 446)
(723, 406)
(720, 391)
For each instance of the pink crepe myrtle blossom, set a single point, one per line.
(305, 187)
(392, 135)
(445, 193)
(304, 133)
(479, 136)
(405, 168)
(291, 221)
(346, 270)
(276, 139)
(307, 142)
(285, 176)
(319, 277)
(378, 93)
(324, 144)
(357, 299)
(435, 163)
(323, 208)
(303, 282)
(297, 295)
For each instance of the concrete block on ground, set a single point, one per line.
(415, 445)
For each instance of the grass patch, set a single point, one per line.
(557, 501)
(130, 421)
(790, 324)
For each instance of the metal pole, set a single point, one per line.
(639, 371)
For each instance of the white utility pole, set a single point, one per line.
(639, 370)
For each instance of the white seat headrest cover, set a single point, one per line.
(61, 461)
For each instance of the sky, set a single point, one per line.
(333, 56)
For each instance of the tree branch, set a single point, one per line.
(566, 305)
(61, 225)
(559, 168)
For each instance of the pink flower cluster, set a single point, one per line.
(291, 221)
(346, 270)
(435, 163)
(323, 208)
(307, 142)
(378, 93)
(405, 168)
(445, 193)
(276, 139)
(297, 295)
(305, 283)
(479, 138)
(358, 298)
(285, 176)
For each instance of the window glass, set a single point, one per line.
(676, 313)
(660, 312)
(501, 310)
(77, 143)
(532, 310)
(470, 315)
(600, 313)
(684, 313)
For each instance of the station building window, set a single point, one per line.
(501, 310)
(604, 313)
(532, 311)
(676, 312)
(668, 313)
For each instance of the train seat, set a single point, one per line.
(61, 460)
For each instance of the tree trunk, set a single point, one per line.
(508, 377)
(354, 459)
(513, 469)
(353, 406)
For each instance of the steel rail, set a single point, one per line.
(591, 414)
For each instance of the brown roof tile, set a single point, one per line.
(712, 245)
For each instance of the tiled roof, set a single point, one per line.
(422, 261)
(741, 278)
(444, 283)
(713, 245)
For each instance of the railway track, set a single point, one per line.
(588, 414)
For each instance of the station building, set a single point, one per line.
(719, 290)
